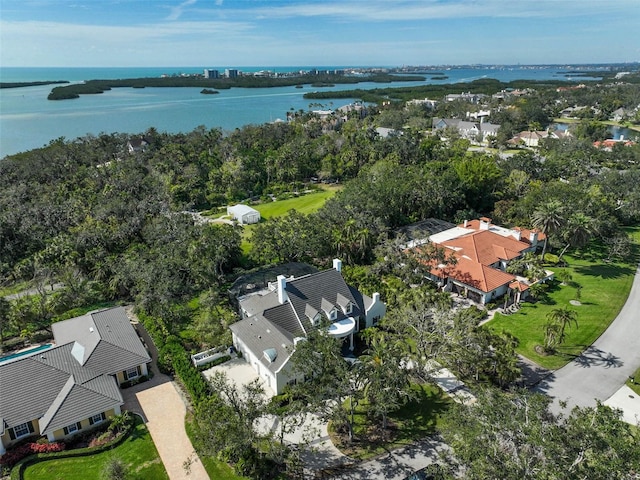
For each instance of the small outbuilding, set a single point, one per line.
(244, 214)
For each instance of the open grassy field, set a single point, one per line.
(137, 452)
(605, 288)
(414, 421)
(306, 204)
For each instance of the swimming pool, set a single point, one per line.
(25, 353)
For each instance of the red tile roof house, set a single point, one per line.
(482, 252)
(74, 384)
(273, 321)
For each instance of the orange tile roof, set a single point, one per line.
(524, 232)
(474, 274)
(487, 247)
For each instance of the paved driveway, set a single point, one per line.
(164, 410)
(604, 366)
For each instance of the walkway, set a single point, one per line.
(603, 367)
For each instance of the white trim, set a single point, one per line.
(24, 425)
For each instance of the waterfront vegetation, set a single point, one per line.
(111, 225)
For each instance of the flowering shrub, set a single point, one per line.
(12, 457)
(101, 439)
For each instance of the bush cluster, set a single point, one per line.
(12, 457)
(174, 359)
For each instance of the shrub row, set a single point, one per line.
(17, 473)
(174, 359)
(13, 456)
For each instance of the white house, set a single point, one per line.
(275, 320)
(244, 214)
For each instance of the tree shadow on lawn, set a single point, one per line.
(413, 421)
(605, 271)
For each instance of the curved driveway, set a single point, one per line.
(604, 366)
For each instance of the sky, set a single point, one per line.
(237, 33)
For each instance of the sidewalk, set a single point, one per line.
(629, 402)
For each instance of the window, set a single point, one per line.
(348, 308)
(315, 321)
(71, 428)
(97, 419)
(22, 430)
(131, 373)
(333, 314)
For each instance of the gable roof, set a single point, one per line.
(104, 340)
(271, 325)
(41, 384)
(72, 380)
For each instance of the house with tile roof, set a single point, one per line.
(275, 319)
(480, 253)
(73, 385)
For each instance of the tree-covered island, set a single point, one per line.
(248, 81)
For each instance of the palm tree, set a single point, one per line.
(563, 318)
(549, 218)
(580, 228)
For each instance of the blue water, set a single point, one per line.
(28, 120)
(25, 353)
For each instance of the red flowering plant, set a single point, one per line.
(12, 457)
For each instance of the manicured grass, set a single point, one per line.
(138, 453)
(14, 288)
(605, 288)
(306, 204)
(412, 422)
(635, 386)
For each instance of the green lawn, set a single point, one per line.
(137, 452)
(605, 288)
(305, 204)
(635, 386)
(414, 421)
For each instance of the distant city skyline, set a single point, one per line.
(237, 33)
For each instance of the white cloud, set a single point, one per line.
(176, 12)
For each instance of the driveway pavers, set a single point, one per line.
(163, 410)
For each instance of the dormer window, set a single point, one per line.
(315, 321)
(333, 314)
(313, 315)
(348, 309)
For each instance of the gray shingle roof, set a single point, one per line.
(275, 325)
(259, 334)
(73, 380)
(110, 342)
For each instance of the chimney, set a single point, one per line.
(517, 233)
(533, 237)
(466, 222)
(376, 298)
(337, 264)
(282, 292)
(485, 223)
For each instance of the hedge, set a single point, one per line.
(17, 472)
(174, 359)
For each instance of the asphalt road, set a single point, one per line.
(604, 366)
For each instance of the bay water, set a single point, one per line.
(28, 120)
